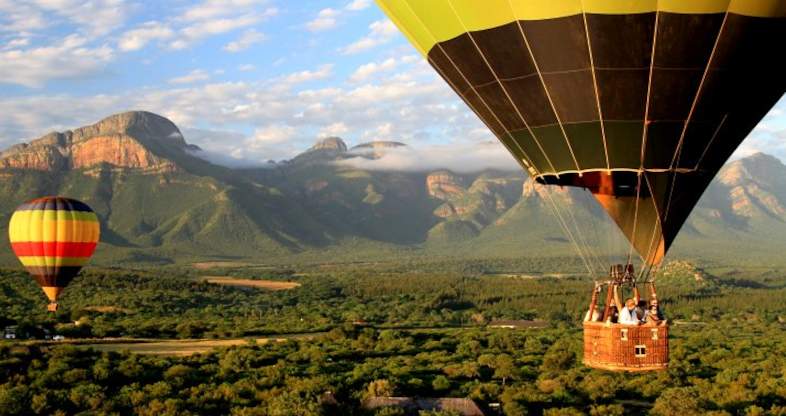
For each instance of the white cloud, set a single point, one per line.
(246, 68)
(367, 70)
(326, 19)
(196, 31)
(138, 38)
(217, 17)
(99, 17)
(356, 5)
(18, 17)
(69, 59)
(246, 40)
(284, 115)
(16, 43)
(191, 77)
(381, 32)
(462, 158)
(322, 72)
(332, 130)
(211, 9)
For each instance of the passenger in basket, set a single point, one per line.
(628, 313)
(654, 314)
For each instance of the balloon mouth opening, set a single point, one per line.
(52, 307)
(615, 183)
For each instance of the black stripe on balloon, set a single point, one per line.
(53, 276)
(55, 203)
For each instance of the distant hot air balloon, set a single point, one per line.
(639, 102)
(54, 237)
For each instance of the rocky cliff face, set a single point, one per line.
(330, 143)
(121, 141)
(756, 186)
(444, 185)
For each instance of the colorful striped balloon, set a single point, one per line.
(54, 237)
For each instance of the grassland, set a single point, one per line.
(250, 283)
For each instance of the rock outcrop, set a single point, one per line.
(330, 143)
(123, 140)
(444, 185)
(754, 186)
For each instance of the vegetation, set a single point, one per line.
(723, 368)
(410, 329)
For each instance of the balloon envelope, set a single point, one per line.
(640, 102)
(53, 238)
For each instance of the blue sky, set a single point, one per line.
(249, 79)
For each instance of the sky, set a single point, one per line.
(250, 80)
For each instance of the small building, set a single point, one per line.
(413, 405)
(10, 332)
(517, 324)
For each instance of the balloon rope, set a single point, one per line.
(644, 132)
(483, 101)
(582, 239)
(675, 160)
(540, 76)
(657, 226)
(714, 135)
(566, 230)
(595, 86)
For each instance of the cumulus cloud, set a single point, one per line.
(191, 77)
(461, 158)
(97, 17)
(333, 130)
(322, 72)
(211, 9)
(769, 136)
(282, 116)
(326, 19)
(381, 32)
(138, 38)
(365, 71)
(70, 58)
(246, 40)
(357, 5)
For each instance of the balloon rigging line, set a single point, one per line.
(678, 151)
(587, 247)
(645, 131)
(714, 135)
(595, 85)
(567, 231)
(580, 240)
(499, 82)
(560, 219)
(482, 100)
(542, 81)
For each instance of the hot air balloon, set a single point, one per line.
(639, 102)
(54, 237)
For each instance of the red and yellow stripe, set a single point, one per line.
(53, 238)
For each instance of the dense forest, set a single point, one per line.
(403, 329)
(724, 368)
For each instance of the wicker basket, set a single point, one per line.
(626, 347)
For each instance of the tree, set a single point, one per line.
(440, 383)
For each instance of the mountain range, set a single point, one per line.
(159, 201)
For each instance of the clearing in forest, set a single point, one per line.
(252, 283)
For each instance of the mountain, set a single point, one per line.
(158, 201)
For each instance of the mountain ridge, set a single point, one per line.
(158, 201)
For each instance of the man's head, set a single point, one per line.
(630, 304)
(654, 303)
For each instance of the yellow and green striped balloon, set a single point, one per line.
(53, 237)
